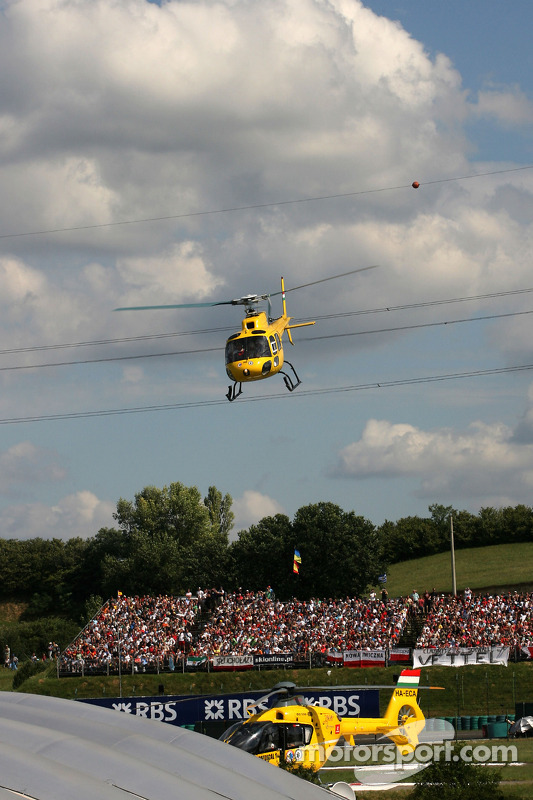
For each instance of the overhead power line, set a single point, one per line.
(424, 304)
(339, 315)
(285, 395)
(137, 356)
(253, 206)
(122, 340)
(414, 326)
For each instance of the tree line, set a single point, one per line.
(170, 540)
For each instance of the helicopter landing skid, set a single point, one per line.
(289, 382)
(232, 392)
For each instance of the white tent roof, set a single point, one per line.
(54, 749)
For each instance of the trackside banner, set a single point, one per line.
(335, 657)
(364, 658)
(399, 655)
(187, 710)
(369, 658)
(274, 660)
(257, 661)
(459, 656)
(233, 662)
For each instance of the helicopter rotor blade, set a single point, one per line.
(176, 305)
(330, 687)
(323, 280)
(348, 687)
(264, 698)
(249, 299)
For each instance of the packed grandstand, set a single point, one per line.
(165, 632)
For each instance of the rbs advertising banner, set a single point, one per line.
(187, 710)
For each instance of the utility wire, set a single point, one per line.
(423, 304)
(286, 395)
(125, 339)
(416, 325)
(301, 341)
(233, 209)
(342, 314)
(110, 358)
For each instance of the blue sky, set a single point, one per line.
(121, 125)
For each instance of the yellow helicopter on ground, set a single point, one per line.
(256, 351)
(306, 735)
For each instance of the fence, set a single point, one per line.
(394, 657)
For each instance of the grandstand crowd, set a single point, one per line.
(250, 623)
(144, 631)
(470, 620)
(141, 630)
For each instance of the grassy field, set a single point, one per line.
(6, 680)
(513, 760)
(467, 690)
(502, 565)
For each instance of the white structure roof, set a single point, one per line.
(55, 749)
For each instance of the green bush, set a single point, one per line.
(457, 780)
(299, 770)
(26, 670)
(26, 638)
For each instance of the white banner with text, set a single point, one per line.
(459, 656)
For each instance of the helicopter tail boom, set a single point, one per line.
(403, 720)
(404, 717)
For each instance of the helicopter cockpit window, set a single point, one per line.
(278, 341)
(273, 345)
(254, 738)
(297, 735)
(269, 739)
(246, 348)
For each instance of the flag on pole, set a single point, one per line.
(296, 563)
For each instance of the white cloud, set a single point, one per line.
(251, 507)
(523, 433)
(133, 375)
(22, 287)
(178, 275)
(80, 514)
(25, 463)
(135, 111)
(37, 308)
(138, 109)
(510, 106)
(480, 463)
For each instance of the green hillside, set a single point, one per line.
(503, 565)
(466, 690)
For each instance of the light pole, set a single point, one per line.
(454, 582)
(119, 666)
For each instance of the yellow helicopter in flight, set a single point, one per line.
(256, 351)
(302, 734)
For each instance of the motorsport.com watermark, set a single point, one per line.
(386, 763)
(425, 754)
